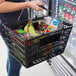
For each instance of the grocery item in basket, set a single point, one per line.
(26, 28)
(28, 35)
(41, 24)
(19, 31)
(30, 29)
(47, 20)
(49, 28)
(55, 23)
(40, 27)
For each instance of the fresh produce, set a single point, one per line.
(30, 28)
(26, 28)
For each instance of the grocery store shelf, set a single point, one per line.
(70, 2)
(70, 58)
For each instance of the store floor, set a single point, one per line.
(42, 69)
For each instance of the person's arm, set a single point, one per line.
(6, 6)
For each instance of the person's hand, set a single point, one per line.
(35, 5)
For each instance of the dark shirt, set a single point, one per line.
(12, 16)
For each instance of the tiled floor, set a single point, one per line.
(42, 69)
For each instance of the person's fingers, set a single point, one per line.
(35, 5)
(39, 3)
(38, 9)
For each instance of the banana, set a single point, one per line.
(26, 28)
(32, 30)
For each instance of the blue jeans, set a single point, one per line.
(13, 66)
